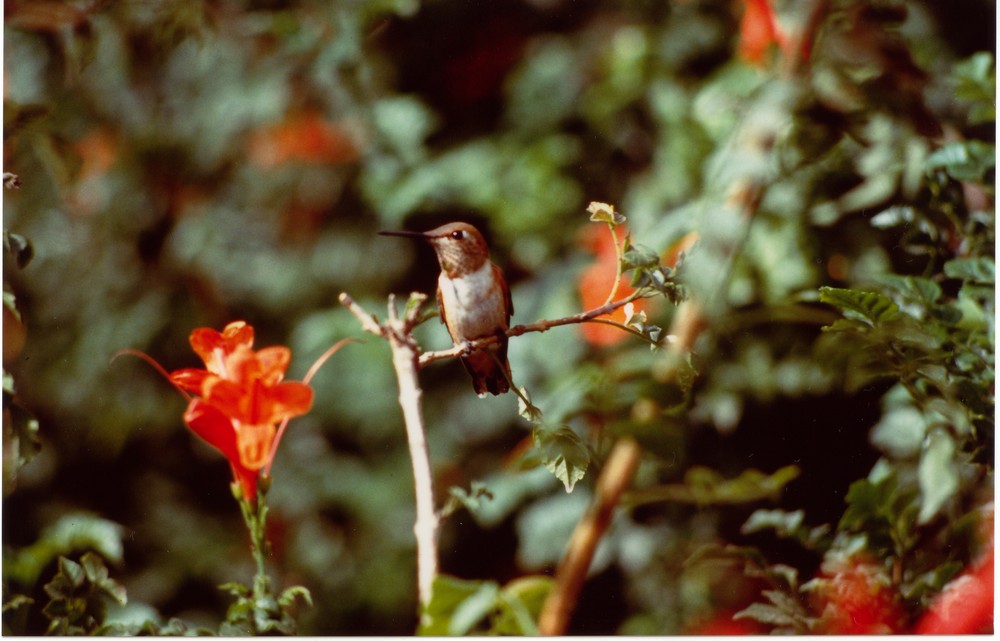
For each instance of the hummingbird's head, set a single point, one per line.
(460, 247)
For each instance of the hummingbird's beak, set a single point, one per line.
(407, 234)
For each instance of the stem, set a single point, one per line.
(618, 265)
(156, 366)
(255, 517)
(405, 355)
(625, 328)
(614, 480)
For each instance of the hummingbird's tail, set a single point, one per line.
(490, 370)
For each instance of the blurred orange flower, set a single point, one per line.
(598, 279)
(758, 31)
(240, 397)
(306, 137)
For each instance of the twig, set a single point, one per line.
(368, 321)
(572, 571)
(405, 353)
(618, 265)
(538, 326)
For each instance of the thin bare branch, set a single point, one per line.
(538, 326)
(405, 353)
(368, 321)
(572, 571)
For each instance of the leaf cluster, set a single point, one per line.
(257, 612)
(78, 596)
(461, 608)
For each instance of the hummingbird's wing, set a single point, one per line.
(440, 303)
(507, 300)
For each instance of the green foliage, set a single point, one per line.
(649, 274)
(20, 435)
(704, 486)
(561, 451)
(783, 608)
(78, 596)
(20, 427)
(870, 307)
(976, 82)
(789, 525)
(72, 533)
(471, 500)
(256, 612)
(460, 608)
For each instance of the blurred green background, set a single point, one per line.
(186, 164)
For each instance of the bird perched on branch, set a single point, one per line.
(473, 300)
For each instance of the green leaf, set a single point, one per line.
(932, 581)
(10, 304)
(289, 596)
(639, 257)
(97, 574)
(778, 520)
(981, 269)
(975, 81)
(787, 525)
(913, 288)
(964, 160)
(705, 486)
(526, 409)
(871, 307)
(457, 606)
(563, 453)
(471, 500)
(236, 589)
(521, 603)
(894, 217)
(766, 614)
(882, 510)
(20, 435)
(20, 247)
(937, 474)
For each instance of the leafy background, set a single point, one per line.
(185, 164)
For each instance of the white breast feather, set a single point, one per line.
(466, 296)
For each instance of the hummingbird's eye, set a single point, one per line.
(458, 235)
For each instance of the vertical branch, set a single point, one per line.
(572, 571)
(405, 355)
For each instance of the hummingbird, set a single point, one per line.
(473, 300)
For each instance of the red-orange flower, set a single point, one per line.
(965, 605)
(305, 137)
(240, 398)
(760, 32)
(598, 279)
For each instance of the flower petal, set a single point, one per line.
(285, 400)
(254, 443)
(273, 362)
(205, 341)
(190, 379)
(232, 399)
(214, 427)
